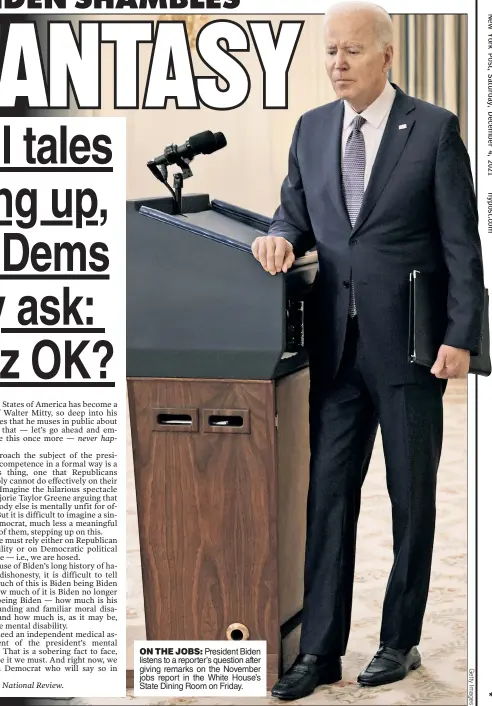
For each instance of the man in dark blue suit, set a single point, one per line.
(380, 184)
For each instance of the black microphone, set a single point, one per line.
(203, 143)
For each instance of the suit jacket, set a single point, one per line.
(419, 212)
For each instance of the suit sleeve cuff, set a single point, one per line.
(464, 343)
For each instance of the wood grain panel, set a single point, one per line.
(207, 513)
(222, 516)
(292, 401)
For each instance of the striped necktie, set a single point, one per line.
(354, 165)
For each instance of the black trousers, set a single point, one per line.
(344, 417)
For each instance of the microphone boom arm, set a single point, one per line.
(159, 168)
(160, 173)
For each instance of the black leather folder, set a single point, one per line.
(425, 331)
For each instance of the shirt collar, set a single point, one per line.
(374, 113)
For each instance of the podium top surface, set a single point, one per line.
(224, 223)
(221, 225)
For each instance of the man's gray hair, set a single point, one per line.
(383, 25)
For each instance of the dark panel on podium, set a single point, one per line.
(198, 303)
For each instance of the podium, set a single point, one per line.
(218, 394)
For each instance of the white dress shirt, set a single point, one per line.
(376, 116)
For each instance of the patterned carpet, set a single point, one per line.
(442, 678)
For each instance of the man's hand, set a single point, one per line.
(451, 363)
(274, 253)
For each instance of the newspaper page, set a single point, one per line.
(191, 448)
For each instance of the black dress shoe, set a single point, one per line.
(389, 665)
(307, 672)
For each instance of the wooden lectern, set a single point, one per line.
(221, 460)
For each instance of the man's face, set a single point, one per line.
(355, 62)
